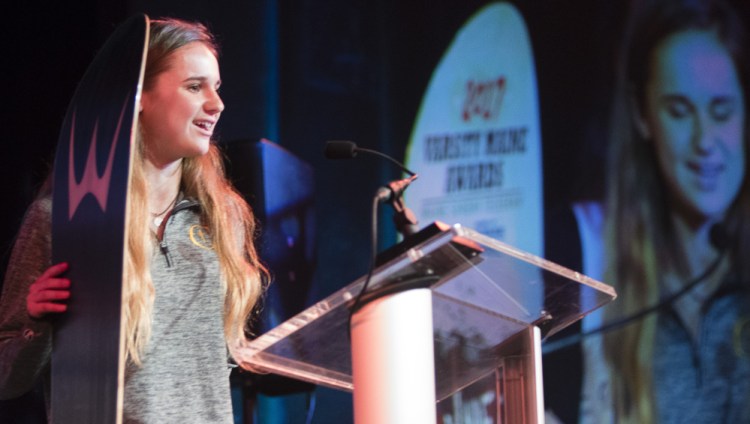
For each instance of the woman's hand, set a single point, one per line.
(48, 292)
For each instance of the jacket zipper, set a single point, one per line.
(163, 246)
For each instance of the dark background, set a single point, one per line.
(303, 72)
(300, 73)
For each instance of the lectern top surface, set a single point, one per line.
(484, 292)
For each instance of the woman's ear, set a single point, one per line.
(636, 114)
(142, 99)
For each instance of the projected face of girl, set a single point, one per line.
(694, 114)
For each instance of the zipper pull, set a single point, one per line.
(165, 251)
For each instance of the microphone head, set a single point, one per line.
(340, 149)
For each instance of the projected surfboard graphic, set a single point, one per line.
(476, 142)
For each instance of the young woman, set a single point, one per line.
(678, 168)
(192, 275)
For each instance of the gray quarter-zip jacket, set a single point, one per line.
(184, 377)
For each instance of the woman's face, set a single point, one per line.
(182, 107)
(694, 113)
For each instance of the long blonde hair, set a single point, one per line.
(641, 244)
(224, 211)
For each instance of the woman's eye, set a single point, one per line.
(721, 109)
(194, 88)
(678, 108)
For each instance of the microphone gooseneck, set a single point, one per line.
(344, 149)
(720, 239)
(404, 218)
(392, 193)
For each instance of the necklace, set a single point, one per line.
(159, 217)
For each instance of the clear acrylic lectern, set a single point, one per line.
(451, 326)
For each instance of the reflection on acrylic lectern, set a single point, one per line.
(491, 306)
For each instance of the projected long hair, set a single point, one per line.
(639, 232)
(228, 217)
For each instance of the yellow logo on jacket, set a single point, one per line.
(200, 237)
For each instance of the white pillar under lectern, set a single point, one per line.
(393, 363)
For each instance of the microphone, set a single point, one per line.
(720, 239)
(344, 149)
(392, 193)
(403, 217)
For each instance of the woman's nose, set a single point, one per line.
(704, 134)
(214, 104)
